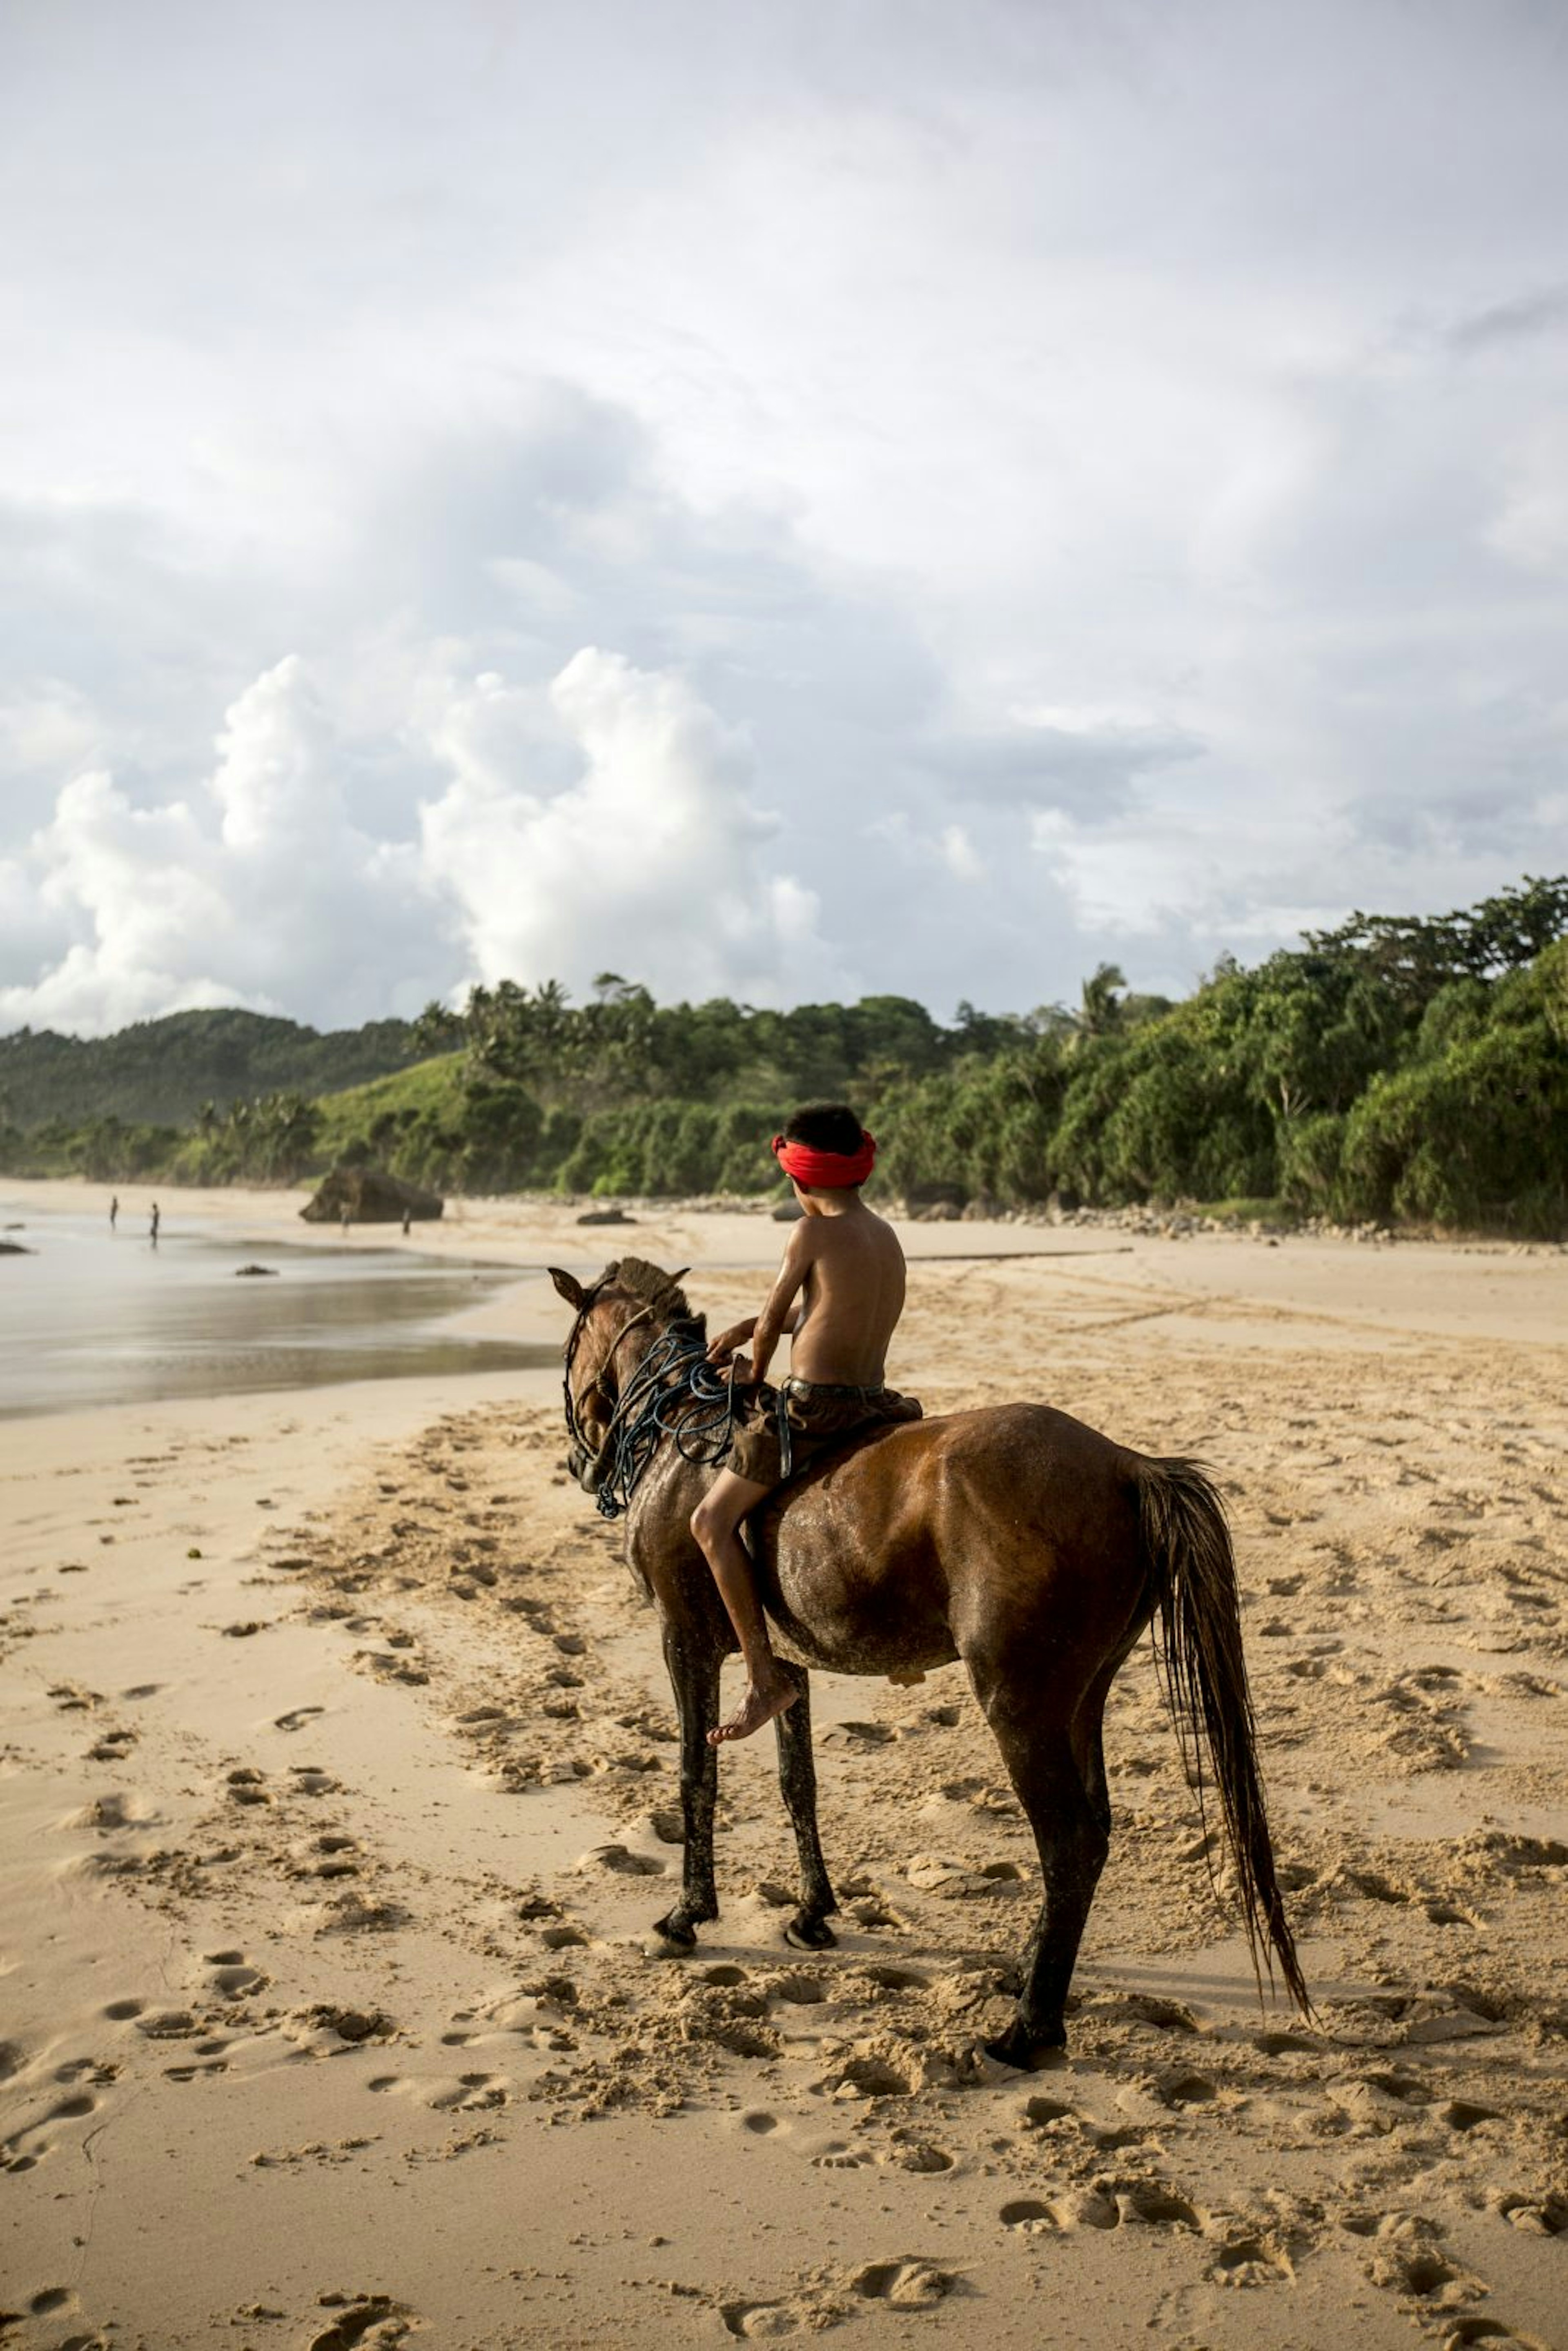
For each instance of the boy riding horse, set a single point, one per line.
(843, 1265)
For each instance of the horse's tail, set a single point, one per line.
(1192, 1570)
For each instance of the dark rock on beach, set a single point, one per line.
(605, 1217)
(244, 1272)
(16, 1249)
(367, 1196)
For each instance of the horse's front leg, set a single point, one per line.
(798, 1780)
(693, 1666)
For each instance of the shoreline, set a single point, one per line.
(1471, 1289)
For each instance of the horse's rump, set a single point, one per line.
(885, 1555)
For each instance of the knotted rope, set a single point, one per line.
(674, 1392)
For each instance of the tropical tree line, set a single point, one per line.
(1413, 1068)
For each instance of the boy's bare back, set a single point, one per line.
(845, 1266)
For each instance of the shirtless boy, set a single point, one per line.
(838, 1295)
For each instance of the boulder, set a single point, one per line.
(605, 1217)
(370, 1197)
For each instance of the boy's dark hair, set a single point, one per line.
(825, 1126)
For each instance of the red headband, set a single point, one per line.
(825, 1171)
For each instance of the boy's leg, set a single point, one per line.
(715, 1522)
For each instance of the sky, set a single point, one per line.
(789, 502)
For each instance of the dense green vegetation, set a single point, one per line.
(1395, 1067)
(162, 1071)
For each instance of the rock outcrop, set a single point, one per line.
(367, 1196)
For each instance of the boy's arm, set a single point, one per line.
(721, 1349)
(776, 1317)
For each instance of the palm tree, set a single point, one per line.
(1099, 1009)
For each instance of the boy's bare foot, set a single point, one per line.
(757, 1707)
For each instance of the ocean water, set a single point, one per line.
(95, 1318)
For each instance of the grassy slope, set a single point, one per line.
(430, 1086)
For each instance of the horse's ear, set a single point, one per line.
(682, 1274)
(570, 1289)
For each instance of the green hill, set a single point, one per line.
(160, 1072)
(387, 1107)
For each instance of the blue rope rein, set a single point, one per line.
(674, 1392)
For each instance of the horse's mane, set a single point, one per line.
(651, 1286)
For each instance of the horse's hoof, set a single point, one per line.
(1027, 2051)
(676, 1936)
(805, 1933)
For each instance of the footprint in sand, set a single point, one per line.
(297, 1718)
(233, 1976)
(310, 1782)
(1407, 2259)
(1283, 2044)
(620, 1859)
(246, 1786)
(907, 2284)
(352, 2026)
(168, 2025)
(112, 1747)
(1044, 2114)
(756, 2320)
(365, 2322)
(1150, 2203)
(468, 2094)
(1185, 2089)
(91, 2069)
(1028, 2217)
(1250, 2261)
(27, 2147)
(328, 1857)
(71, 1699)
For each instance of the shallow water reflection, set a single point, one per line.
(92, 1318)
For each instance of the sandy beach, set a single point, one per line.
(338, 1794)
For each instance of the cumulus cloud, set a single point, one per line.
(260, 890)
(256, 890)
(652, 859)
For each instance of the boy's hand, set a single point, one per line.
(722, 1349)
(741, 1374)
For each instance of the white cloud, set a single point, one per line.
(652, 859)
(255, 891)
(652, 855)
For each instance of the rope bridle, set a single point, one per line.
(674, 1392)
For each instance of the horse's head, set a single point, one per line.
(629, 1297)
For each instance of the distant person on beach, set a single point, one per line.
(154, 1224)
(846, 1269)
(407, 1222)
(114, 1212)
(344, 1221)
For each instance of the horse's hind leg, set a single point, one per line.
(1066, 1812)
(693, 1676)
(798, 1780)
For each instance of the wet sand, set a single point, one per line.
(338, 1796)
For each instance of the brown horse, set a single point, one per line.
(1013, 1538)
